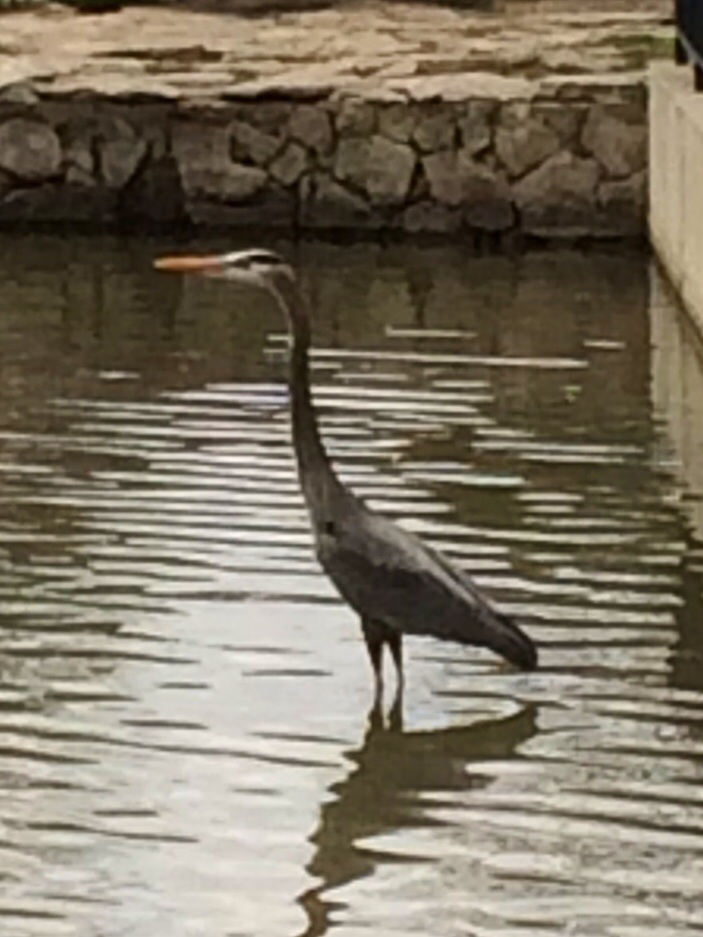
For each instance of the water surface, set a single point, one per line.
(185, 742)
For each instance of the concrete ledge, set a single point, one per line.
(676, 182)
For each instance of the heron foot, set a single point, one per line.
(392, 721)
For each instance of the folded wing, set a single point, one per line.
(387, 574)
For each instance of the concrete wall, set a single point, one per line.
(676, 181)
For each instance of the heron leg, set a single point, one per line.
(395, 643)
(374, 638)
(395, 713)
(376, 635)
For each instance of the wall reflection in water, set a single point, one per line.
(677, 394)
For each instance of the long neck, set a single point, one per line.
(317, 477)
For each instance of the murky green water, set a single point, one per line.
(184, 743)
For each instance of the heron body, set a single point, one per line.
(395, 583)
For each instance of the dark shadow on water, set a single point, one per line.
(391, 771)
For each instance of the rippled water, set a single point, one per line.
(185, 744)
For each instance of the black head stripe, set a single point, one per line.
(265, 257)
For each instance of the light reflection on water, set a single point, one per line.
(184, 742)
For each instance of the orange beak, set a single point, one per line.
(189, 264)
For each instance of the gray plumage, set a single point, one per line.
(393, 581)
(391, 578)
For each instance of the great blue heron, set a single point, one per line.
(394, 582)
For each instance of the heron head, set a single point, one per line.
(260, 268)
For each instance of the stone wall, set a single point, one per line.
(467, 153)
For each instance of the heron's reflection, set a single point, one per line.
(383, 792)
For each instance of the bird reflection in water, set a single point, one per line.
(393, 768)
